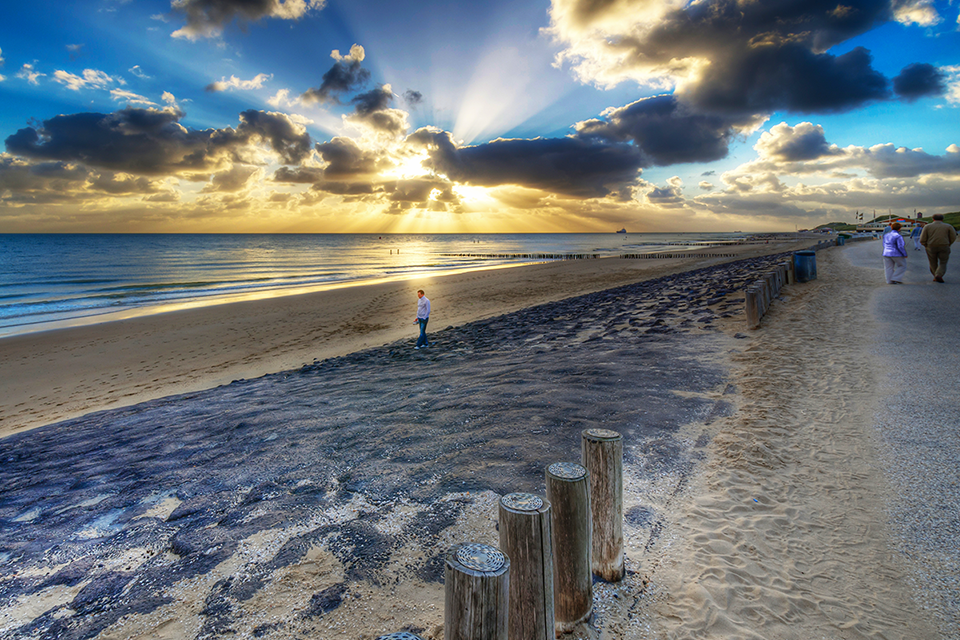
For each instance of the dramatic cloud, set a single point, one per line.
(804, 150)
(344, 76)
(236, 83)
(348, 162)
(376, 100)
(23, 182)
(667, 131)
(286, 137)
(669, 196)
(207, 18)
(784, 143)
(236, 178)
(570, 166)
(920, 80)
(152, 141)
(412, 98)
(732, 57)
(374, 114)
(920, 12)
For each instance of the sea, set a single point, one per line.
(57, 280)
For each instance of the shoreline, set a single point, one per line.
(65, 373)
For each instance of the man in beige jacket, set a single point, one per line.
(936, 238)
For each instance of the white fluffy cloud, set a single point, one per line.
(234, 82)
(31, 75)
(89, 79)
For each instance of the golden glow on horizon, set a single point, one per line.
(409, 168)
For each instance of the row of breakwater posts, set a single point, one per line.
(585, 256)
(801, 268)
(539, 582)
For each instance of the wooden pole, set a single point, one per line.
(789, 267)
(602, 452)
(753, 308)
(526, 539)
(476, 593)
(568, 490)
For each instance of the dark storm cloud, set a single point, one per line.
(669, 196)
(376, 100)
(298, 175)
(789, 77)
(153, 142)
(373, 111)
(344, 76)
(25, 180)
(206, 18)
(290, 140)
(571, 166)
(412, 98)
(735, 57)
(52, 182)
(347, 161)
(418, 190)
(665, 130)
(918, 81)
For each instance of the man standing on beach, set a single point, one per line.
(423, 315)
(936, 238)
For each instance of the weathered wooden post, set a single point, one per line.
(789, 267)
(400, 635)
(526, 539)
(774, 289)
(476, 593)
(753, 308)
(768, 290)
(568, 490)
(602, 451)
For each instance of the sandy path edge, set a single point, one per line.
(782, 533)
(57, 375)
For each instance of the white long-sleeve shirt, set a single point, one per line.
(423, 308)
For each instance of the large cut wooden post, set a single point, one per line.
(603, 458)
(477, 591)
(568, 490)
(525, 538)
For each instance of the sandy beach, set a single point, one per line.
(60, 374)
(313, 497)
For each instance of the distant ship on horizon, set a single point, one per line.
(624, 230)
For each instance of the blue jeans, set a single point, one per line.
(422, 340)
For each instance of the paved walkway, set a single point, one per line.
(918, 424)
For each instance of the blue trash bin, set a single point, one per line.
(805, 266)
(841, 240)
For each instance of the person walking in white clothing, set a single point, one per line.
(894, 255)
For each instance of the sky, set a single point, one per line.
(376, 116)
